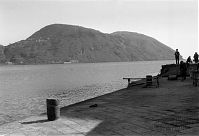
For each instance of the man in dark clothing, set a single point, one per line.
(188, 61)
(183, 70)
(195, 57)
(177, 55)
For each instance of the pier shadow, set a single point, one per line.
(100, 128)
(136, 111)
(109, 114)
(36, 121)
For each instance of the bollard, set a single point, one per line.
(148, 80)
(53, 110)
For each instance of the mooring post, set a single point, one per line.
(53, 109)
(149, 80)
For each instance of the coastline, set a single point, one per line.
(95, 91)
(4, 64)
(109, 90)
(129, 111)
(77, 95)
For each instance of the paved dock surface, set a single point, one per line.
(172, 109)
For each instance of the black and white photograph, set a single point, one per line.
(99, 68)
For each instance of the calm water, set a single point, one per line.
(24, 88)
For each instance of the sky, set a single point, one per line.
(172, 22)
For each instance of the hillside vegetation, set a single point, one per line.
(60, 43)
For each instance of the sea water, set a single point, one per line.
(24, 88)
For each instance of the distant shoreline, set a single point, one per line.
(4, 64)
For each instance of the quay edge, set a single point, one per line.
(173, 69)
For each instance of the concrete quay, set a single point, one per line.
(170, 110)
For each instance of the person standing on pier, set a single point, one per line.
(177, 56)
(195, 57)
(188, 61)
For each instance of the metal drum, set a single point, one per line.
(53, 109)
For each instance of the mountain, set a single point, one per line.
(58, 43)
(143, 47)
(2, 56)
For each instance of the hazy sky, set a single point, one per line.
(172, 22)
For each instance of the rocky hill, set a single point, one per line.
(2, 56)
(143, 47)
(60, 43)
